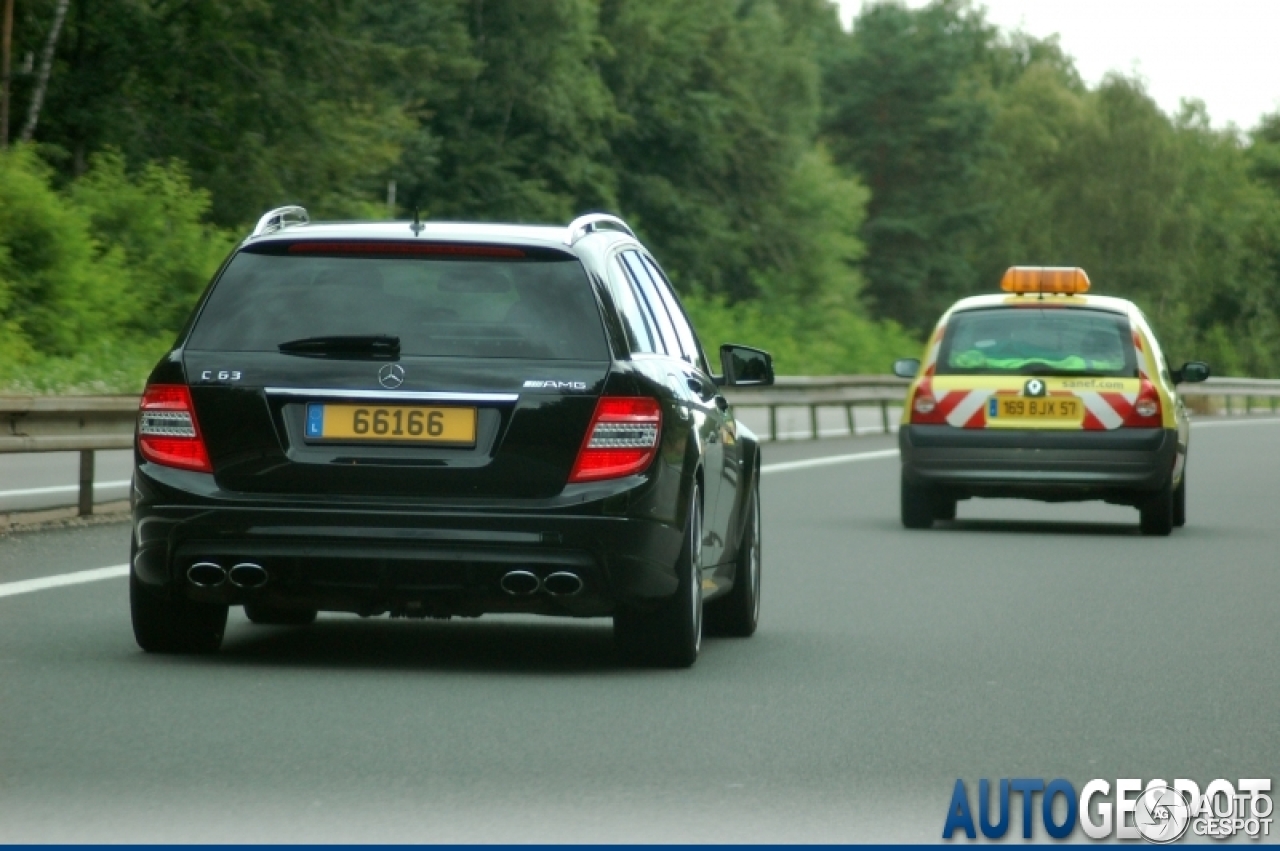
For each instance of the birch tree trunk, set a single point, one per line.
(46, 65)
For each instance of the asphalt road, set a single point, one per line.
(1022, 640)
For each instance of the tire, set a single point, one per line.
(669, 636)
(738, 613)
(276, 616)
(917, 505)
(1180, 502)
(164, 623)
(1156, 513)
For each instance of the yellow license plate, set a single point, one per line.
(1022, 409)
(392, 424)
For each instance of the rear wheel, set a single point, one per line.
(917, 505)
(278, 616)
(738, 613)
(164, 623)
(1180, 502)
(1156, 513)
(669, 636)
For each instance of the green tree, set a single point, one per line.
(907, 108)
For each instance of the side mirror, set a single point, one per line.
(745, 366)
(906, 367)
(1191, 372)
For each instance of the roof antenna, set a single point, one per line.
(417, 225)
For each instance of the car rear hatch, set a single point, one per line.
(396, 370)
(1033, 367)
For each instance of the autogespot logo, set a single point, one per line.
(1160, 812)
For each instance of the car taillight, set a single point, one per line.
(1146, 410)
(924, 407)
(621, 440)
(168, 433)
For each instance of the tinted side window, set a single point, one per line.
(688, 340)
(657, 307)
(639, 329)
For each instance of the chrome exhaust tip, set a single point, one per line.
(520, 583)
(562, 584)
(247, 575)
(206, 574)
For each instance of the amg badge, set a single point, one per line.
(556, 385)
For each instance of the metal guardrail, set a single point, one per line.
(86, 424)
(81, 424)
(851, 391)
(816, 392)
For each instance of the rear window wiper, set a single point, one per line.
(367, 345)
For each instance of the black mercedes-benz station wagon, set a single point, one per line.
(437, 419)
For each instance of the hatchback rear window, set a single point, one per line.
(537, 308)
(1028, 341)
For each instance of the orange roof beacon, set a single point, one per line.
(1045, 392)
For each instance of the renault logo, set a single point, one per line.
(391, 376)
(1035, 387)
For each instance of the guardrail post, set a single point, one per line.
(86, 482)
(884, 415)
(813, 421)
(1226, 404)
(851, 420)
(773, 422)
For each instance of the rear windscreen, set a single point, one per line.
(1028, 341)
(537, 309)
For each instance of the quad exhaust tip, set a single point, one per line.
(247, 575)
(562, 584)
(520, 583)
(206, 574)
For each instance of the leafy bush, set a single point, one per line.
(96, 279)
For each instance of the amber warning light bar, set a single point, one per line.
(1044, 279)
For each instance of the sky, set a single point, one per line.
(1223, 52)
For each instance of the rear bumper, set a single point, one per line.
(1039, 464)
(408, 560)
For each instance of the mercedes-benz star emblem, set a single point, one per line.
(391, 376)
(1035, 387)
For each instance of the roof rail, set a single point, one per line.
(583, 225)
(281, 218)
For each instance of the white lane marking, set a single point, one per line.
(27, 586)
(122, 483)
(786, 466)
(1208, 423)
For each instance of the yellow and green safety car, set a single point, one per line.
(1045, 392)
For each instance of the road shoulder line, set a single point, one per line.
(27, 586)
(787, 466)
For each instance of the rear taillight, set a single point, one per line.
(621, 440)
(1146, 411)
(168, 433)
(924, 407)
